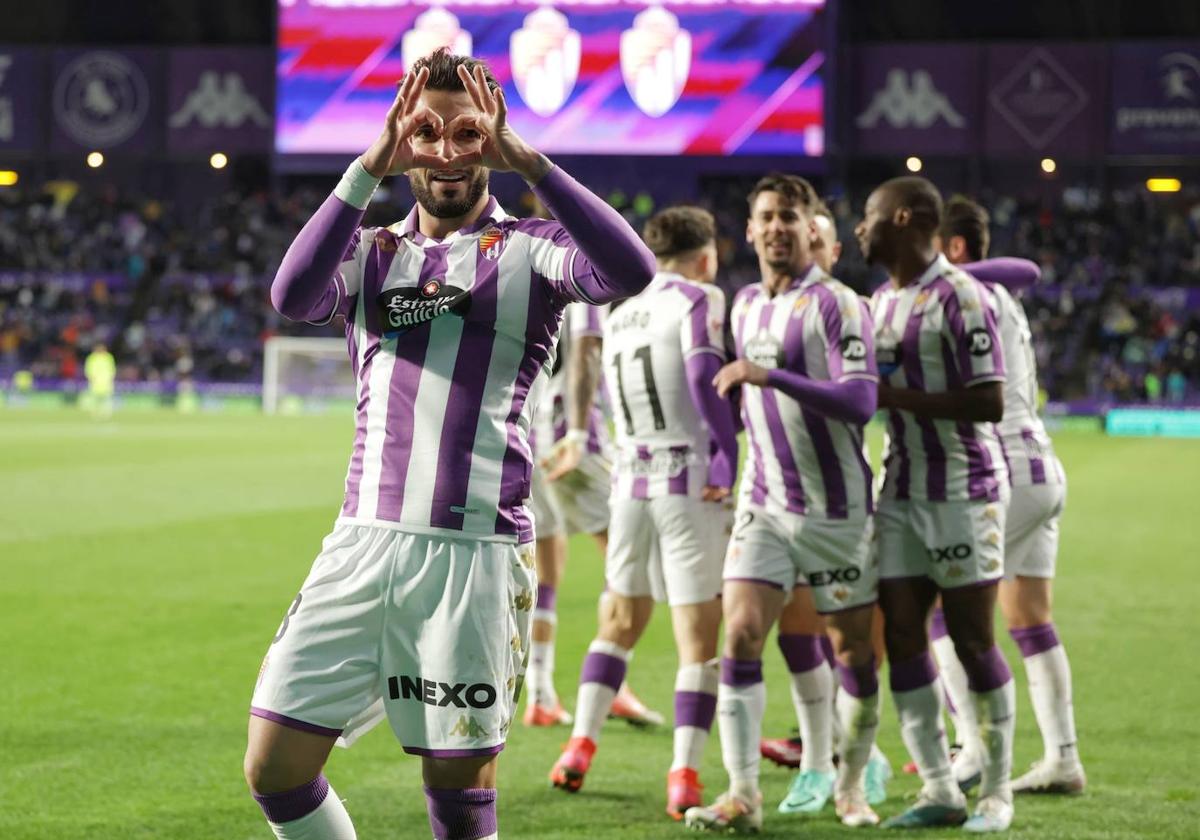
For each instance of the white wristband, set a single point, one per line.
(357, 186)
(577, 436)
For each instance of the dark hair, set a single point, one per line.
(920, 196)
(794, 190)
(677, 230)
(443, 70)
(964, 217)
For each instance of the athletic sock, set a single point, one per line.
(812, 695)
(468, 814)
(309, 812)
(918, 704)
(858, 709)
(741, 701)
(994, 697)
(539, 676)
(695, 705)
(1049, 675)
(953, 682)
(599, 679)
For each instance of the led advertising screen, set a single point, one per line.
(705, 77)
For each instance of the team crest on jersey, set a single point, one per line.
(491, 242)
(764, 350)
(922, 297)
(406, 307)
(385, 241)
(800, 305)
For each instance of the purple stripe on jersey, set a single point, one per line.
(1037, 467)
(793, 487)
(641, 482)
(832, 317)
(1004, 454)
(980, 475)
(464, 403)
(378, 263)
(816, 425)
(935, 454)
(695, 708)
(411, 348)
(540, 324)
(292, 723)
(677, 485)
(739, 332)
(293, 804)
(758, 486)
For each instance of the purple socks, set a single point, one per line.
(1035, 640)
(293, 804)
(461, 814)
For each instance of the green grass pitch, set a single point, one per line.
(146, 562)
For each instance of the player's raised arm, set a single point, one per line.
(319, 272)
(611, 262)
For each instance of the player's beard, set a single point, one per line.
(449, 208)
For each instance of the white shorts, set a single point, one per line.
(1031, 535)
(429, 631)
(575, 504)
(954, 544)
(671, 548)
(833, 556)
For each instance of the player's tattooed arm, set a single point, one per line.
(983, 403)
(583, 379)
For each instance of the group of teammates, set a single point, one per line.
(969, 476)
(419, 607)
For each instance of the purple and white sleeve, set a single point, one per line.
(703, 345)
(605, 260)
(320, 275)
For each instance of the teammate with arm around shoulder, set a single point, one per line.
(940, 521)
(418, 607)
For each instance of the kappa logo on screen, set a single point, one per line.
(433, 693)
(407, 307)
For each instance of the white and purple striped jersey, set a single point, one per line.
(800, 461)
(1027, 446)
(662, 439)
(550, 417)
(444, 403)
(935, 335)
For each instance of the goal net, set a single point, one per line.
(306, 374)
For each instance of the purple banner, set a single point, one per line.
(917, 99)
(22, 79)
(1156, 99)
(1046, 99)
(107, 99)
(220, 100)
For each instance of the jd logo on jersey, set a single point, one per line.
(854, 349)
(432, 693)
(407, 307)
(950, 553)
(979, 341)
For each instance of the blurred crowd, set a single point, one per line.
(180, 294)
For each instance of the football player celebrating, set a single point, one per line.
(419, 605)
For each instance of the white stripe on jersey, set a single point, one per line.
(378, 389)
